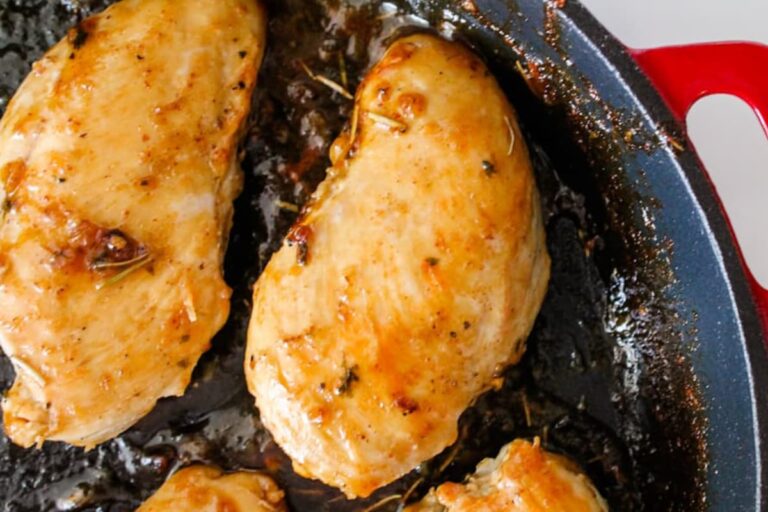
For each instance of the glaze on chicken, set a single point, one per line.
(411, 280)
(207, 489)
(118, 168)
(523, 478)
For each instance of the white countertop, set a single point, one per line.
(724, 129)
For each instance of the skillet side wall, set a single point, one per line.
(731, 358)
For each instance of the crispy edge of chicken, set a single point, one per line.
(118, 166)
(411, 280)
(208, 489)
(522, 478)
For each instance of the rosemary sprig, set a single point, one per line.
(527, 410)
(285, 205)
(451, 456)
(343, 71)
(103, 265)
(353, 129)
(326, 81)
(383, 502)
(141, 262)
(454, 451)
(676, 145)
(408, 493)
(386, 121)
(519, 67)
(511, 136)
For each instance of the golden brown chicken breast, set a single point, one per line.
(411, 280)
(523, 478)
(118, 167)
(206, 489)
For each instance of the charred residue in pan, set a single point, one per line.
(596, 383)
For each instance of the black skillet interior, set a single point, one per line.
(606, 379)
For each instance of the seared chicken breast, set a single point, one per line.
(206, 489)
(523, 478)
(411, 280)
(118, 168)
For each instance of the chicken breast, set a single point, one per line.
(410, 281)
(118, 166)
(523, 478)
(206, 489)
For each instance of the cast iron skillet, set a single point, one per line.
(646, 364)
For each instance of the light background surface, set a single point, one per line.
(724, 129)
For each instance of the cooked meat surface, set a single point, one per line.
(412, 278)
(118, 168)
(206, 489)
(523, 478)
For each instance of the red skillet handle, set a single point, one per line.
(684, 74)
